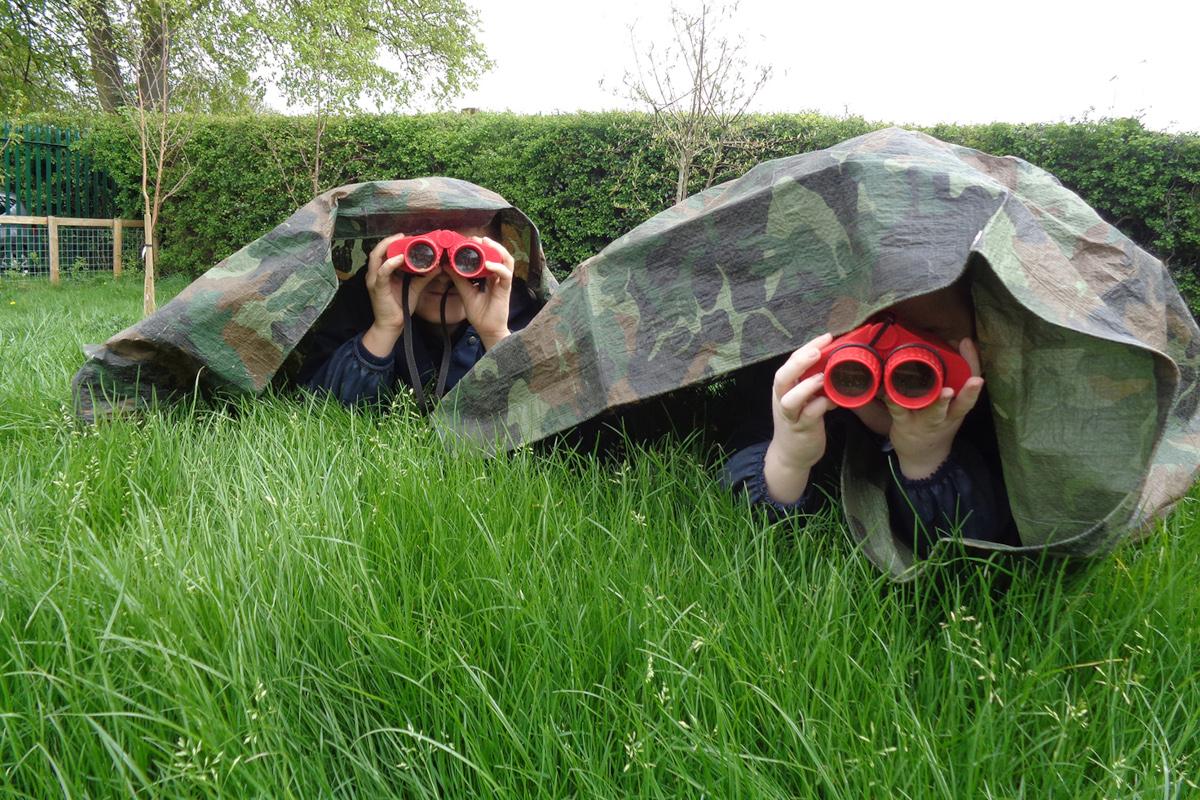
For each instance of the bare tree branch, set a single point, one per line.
(699, 119)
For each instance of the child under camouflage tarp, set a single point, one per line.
(267, 311)
(359, 350)
(1090, 353)
(945, 467)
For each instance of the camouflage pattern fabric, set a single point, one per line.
(233, 329)
(1090, 354)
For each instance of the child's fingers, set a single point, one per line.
(500, 274)
(799, 397)
(934, 413)
(798, 363)
(970, 353)
(499, 248)
(815, 409)
(939, 408)
(389, 266)
(967, 397)
(379, 251)
(897, 413)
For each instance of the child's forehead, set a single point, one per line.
(948, 313)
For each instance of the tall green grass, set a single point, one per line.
(285, 599)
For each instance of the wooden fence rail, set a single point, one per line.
(117, 226)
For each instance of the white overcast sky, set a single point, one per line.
(914, 62)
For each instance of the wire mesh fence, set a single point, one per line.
(24, 250)
(54, 248)
(86, 249)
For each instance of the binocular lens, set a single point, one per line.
(467, 260)
(914, 379)
(851, 379)
(421, 255)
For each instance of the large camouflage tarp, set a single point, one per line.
(1089, 352)
(234, 329)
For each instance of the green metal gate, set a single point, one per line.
(48, 178)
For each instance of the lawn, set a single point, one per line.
(285, 599)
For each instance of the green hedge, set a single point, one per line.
(588, 178)
(585, 179)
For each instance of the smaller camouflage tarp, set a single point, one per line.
(236, 328)
(1090, 354)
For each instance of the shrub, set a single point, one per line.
(586, 179)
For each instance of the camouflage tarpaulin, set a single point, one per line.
(1089, 351)
(234, 328)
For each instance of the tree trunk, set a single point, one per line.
(106, 70)
(683, 164)
(152, 60)
(149, 218)
(149, 304)
(316, 170)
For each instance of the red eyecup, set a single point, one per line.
(852, 375)
(922, 375)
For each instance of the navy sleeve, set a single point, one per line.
(749, 403)
(743, 472)
(354, 375)
(964, 498)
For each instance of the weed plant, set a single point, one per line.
(282, 598)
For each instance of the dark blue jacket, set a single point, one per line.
(338, 363)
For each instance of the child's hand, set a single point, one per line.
(487, 306)
(799, 410)
(922, 439)
(385, 288)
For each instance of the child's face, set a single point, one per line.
(945, 314)
(429, 303)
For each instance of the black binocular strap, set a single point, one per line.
(414, 374)
(888, 321)
(444, 370)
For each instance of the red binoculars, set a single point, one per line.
(912, 368)
(423, 253)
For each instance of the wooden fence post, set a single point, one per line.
(53, 223)
(118, 230)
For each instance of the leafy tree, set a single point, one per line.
(318, 46)
(43, 66)
(154, 59)
(336, 52)
(98, 54)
